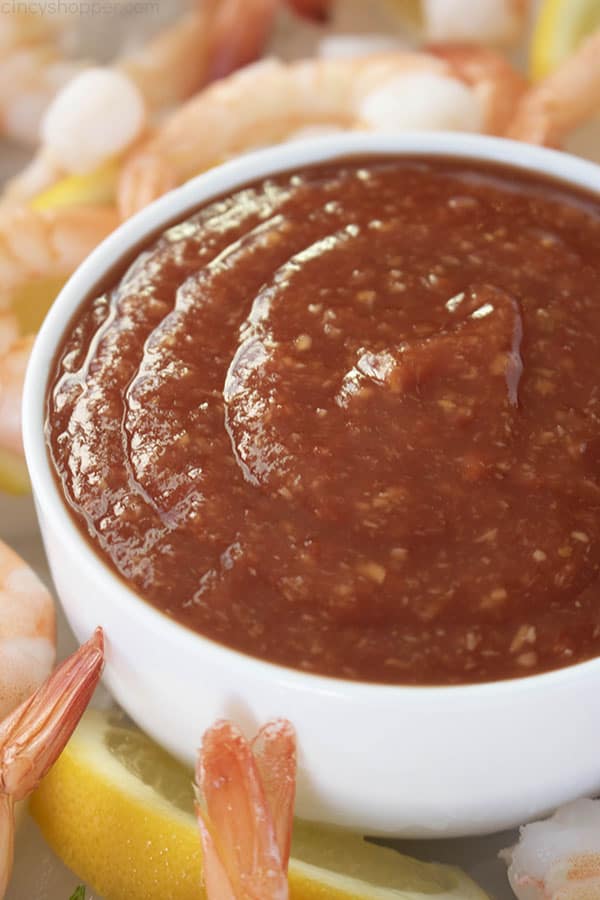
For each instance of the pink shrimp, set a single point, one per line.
(558, 858)
(318, 10)
(36, 245)
(497, 22)
(568, 97)
(460, 88)
(34, 735)
(91, 115)
(246, 855)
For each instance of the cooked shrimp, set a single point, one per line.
(458, 88)
(24, 23)
(99, 112)
(319, 10)
(47, 244)
(27, 638)
(93, 119)
(562, 101)
(34, 735)
(217, 37)
(558, 859)
(352, 46)
(20, 28)
(496, 22)
(9, 330)
(36, 245)
(33, 67)
(245, 811)
(239, 32)
(496, 84)
(30, 76)
(13, 364)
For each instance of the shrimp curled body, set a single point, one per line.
(271, 101)
(34, 734)
(559, 858)
(27, 631)
(36, 245)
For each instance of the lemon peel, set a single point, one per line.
(13, 474)
(118, 810)
(560, 27)
(96, 188)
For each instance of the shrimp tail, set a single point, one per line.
(566, 98)
(148, 176)
(245, 823)
(318, 10)
(34, 735)
(490, 75)
(239, 32)
(274, 749)
(216, 879)
(7, 840)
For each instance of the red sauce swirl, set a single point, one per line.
(347, 419)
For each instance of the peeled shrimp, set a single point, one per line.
(25, 23)
(13, 365)
(89, 115)
(312, 9)
(460, 88)
(27, 638)
(47, 244)
(562, 101)
(34, 70)
(496, 22)
(30, 76)
(245, 811)
(559, 859)
(35, 733)
(33, 67)
(34, 245)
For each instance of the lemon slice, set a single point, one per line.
(95, 188)
(560, 27)
(13, 474)
(32, 301)
(118, 810)
(408, 12)
(30, 304)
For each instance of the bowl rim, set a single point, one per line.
(566, 168)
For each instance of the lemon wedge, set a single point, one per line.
(13, 474)
(95, 188)
(560, 27)
(408, 12)
(32, 301)
(118, 810)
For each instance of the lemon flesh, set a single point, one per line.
(560, 27)
(118, 811)
(409, 12)
(97, 188)
(31, 302)
(13, 474)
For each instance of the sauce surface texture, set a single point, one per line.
(348, 420)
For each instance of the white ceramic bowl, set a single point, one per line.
(403, 761)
